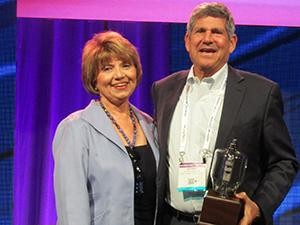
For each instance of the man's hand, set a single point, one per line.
(251, 210)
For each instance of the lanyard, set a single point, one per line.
(184, 121)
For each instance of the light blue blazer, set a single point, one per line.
(93, 174)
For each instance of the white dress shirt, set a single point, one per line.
(201, 104)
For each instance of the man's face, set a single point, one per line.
(209, 46)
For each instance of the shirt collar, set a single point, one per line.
(215, 80)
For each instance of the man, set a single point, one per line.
(205, 108)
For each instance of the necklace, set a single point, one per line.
(132, 118)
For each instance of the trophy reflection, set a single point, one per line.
(227, 173)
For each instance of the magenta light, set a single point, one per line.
(246, 12)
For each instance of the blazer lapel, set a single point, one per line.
(95, 116)
(172, 95)
(234, 94)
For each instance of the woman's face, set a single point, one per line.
(116, 81)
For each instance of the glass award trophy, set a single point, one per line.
(227, 173)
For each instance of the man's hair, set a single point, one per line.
(213, 9)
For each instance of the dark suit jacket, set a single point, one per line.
(252, 112)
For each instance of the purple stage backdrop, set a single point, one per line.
(49, 88)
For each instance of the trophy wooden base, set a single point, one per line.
(219, 211)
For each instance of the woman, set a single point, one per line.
(105, 155)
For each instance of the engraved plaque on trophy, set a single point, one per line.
(227, 173)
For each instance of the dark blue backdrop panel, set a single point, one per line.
(49, 88)
(7, 106)
(273, 52)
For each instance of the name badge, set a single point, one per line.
(192, 177)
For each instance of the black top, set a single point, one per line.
(144, 204)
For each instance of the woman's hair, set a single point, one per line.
(100, 50)
(212, 9)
